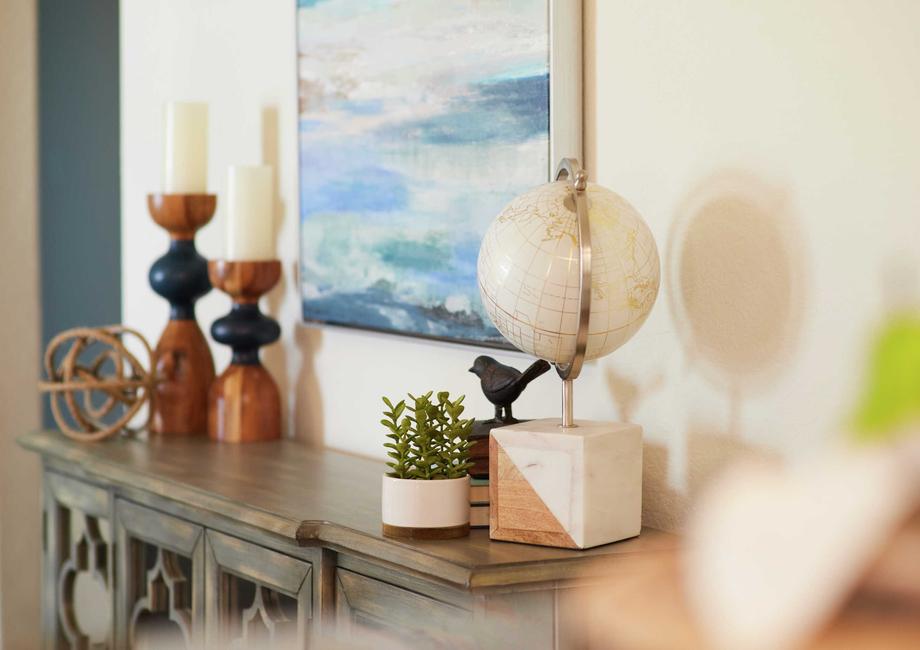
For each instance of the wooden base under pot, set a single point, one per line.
(451, 532)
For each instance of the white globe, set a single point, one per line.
(528, 272)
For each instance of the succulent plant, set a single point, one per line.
(427, 439)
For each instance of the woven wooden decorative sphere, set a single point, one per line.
(97, 386)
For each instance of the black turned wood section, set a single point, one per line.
(245, 329)
(181, 276)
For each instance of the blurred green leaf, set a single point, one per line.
(892, 397)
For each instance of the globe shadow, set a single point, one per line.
(735, 273)
(734, 269)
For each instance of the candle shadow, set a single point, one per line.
(308, 402)
(274, 356)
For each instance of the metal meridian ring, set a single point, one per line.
(569, 169)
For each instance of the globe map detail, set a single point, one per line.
(528, 272)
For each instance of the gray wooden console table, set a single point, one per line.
(191, 543)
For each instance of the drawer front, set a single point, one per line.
(160, 601)
(256, 597)
(375, 612)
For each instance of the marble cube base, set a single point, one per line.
(577, 487)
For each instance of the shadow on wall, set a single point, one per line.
(273, 356)
(663, 506)
(308, 407)
(307, 424)
(735, 269)
(734, 280)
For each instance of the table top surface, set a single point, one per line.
(313, 495)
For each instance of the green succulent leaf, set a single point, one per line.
(430, 441)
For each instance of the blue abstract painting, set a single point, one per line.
(419, 120)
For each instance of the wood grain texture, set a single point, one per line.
(185, 370)
(77, 495)
(244, 280)
(276, 570)
(184, 366)
(479, 455)
(181, 214)
(85, 364)
(137, 525)
(244, 405)
(229, 560)
(67, 501)
(516, 511)
(321, 497)
(375, 611)
(447, 532)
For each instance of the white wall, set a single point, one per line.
(772, 147)
(20, 503)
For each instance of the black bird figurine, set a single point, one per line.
(503, 384)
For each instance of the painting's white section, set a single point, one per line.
(359, 52)
(814, 131)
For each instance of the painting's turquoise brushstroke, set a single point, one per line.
(433, 252)
(509, 111)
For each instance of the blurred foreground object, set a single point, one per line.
(892, 399)
(776, 559)
(85, 364)
(822, 556)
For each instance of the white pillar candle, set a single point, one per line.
(185, 169)
(250, 231)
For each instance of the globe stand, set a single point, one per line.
(569, 169)
(574, 486)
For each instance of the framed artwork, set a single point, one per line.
(419, 120)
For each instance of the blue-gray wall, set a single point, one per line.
(79, 165)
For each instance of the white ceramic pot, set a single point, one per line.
(416, 509)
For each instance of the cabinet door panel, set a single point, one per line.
(161, 587)
(78, 574)
(376, 612)
(257, 597)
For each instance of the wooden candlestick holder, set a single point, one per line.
(244, 404)
(184, 366)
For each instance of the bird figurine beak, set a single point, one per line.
(472, 370)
